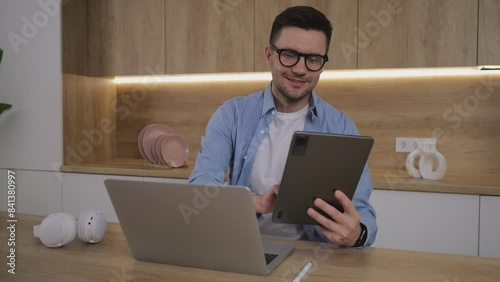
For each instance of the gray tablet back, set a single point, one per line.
(317, 165)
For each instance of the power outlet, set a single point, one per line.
(408, 144)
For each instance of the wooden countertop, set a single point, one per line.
(131, 167)
(110, 260)
(466, 183)
(472, 183)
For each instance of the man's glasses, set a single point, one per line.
(290, 58)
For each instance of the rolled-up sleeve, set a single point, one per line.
(214, 156)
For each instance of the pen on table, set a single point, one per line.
(303, 271)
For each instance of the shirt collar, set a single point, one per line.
(268, 101)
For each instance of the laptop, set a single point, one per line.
(318, 164)
(202, 226)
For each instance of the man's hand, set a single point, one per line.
(345, 230)
(265, 203)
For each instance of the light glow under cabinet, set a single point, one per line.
(327, 74)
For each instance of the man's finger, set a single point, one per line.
(344, 201)
(328, 209)
(322, 220)
(276, 188)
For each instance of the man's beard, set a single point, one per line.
(289, 97)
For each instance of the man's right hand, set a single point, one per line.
(265, 203)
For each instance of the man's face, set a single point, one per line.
(292, 85)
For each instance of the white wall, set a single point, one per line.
(31, 80)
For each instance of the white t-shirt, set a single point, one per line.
(269, 165)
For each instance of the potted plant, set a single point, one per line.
(3, 106)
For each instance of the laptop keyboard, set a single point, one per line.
(269, 257)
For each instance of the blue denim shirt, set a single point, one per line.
(236, 130)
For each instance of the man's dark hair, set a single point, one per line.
(304, 17)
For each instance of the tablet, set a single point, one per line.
(316, 166)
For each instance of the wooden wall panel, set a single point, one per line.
(489, 32)
(209, 36)
(461, 112)
(89, 119)
(341, 13)
(426, 33)
(126, 37)
(186, 108)
(74, 37)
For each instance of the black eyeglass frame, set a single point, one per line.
(279, 51)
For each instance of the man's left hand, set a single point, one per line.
(345, 230)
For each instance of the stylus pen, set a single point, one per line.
(303, 271)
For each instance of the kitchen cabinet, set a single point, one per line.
(426, 33)
(430, 222)
(341, 13)
(126, 37)
(489, 34)
(170, 36)
(489, 232)
(74, 37)
(209, 36)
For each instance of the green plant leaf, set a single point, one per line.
(4, 107)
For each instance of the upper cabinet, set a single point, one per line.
(425, 33)
(209, 36)
(74, 38)
(489, 32)
(341, 13)
(126, 37)
(130, 37)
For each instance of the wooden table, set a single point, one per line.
(110, 261)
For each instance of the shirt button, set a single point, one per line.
(272, 112)
(245, 157)
(262, 132)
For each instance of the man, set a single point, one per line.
(251, 135)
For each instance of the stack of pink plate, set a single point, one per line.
(158, 144)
